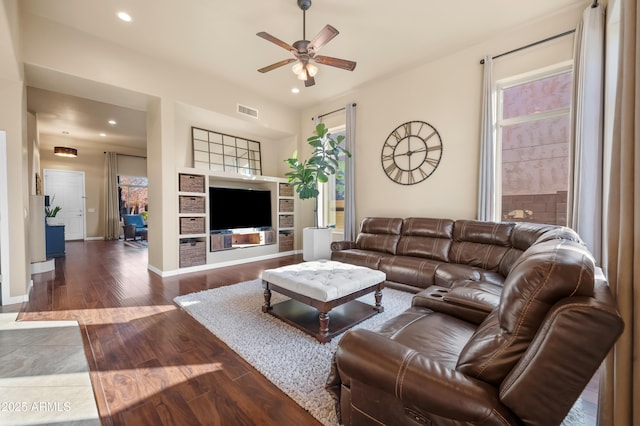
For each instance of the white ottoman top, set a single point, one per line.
(323, 280)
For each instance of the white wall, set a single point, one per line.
(445, 93)
(13, 121)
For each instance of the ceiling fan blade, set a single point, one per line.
(275, 40)
(335, 62)
(310, 81)
(277, 65)
(323, 37)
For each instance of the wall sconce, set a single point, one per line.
(64, 151)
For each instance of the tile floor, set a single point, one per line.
(44, 375)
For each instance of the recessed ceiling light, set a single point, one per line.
(295, 90)
(124, 16)
(112, 122)
(103, 135)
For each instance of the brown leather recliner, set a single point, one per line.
(526, 363)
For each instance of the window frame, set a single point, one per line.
(499, 87)
(128, 185)
(324, 197)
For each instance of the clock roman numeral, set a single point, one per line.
(407, 129)
(432, 161)
(390, 168)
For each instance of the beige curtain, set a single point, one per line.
(112, 208)
(620, 384)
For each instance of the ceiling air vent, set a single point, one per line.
(251, 112)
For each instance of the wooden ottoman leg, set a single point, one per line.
(323, 333)
(378, 296)
(267, 297)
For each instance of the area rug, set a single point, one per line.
(292, 360)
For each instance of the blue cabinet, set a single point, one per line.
(55, 241)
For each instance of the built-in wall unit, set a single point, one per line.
(228, 212)
(227, 218)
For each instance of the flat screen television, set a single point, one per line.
(233, 208)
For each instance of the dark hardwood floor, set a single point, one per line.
(151, 363)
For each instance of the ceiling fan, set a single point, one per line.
(305, 51)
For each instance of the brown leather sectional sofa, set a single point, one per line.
(508, 324)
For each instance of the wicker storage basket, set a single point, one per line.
(286, 242)
(192, 253)
(286, 221)
(192, 225)
(191, 204)
(285, 190)
(286, 205)
(191, 183)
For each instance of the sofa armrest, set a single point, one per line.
(342, 245)
(467, 303)
(374, 360)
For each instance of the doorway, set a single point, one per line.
(65, 188)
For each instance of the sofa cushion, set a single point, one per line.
(412, 271)
(480, 244)
(379, 234)
(545, 273)
(431, 333)
(428, 238)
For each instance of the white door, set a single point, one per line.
(66, 189)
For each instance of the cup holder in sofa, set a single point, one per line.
(437, 293)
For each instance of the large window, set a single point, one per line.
(133, 195)
(533, 141)
(331, 199)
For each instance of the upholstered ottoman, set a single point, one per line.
(317, 287)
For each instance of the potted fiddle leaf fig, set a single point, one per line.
(306, 175)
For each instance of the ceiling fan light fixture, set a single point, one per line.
(305, 51)
(297, 67)
(302, 75)
(65, 151)
(312, 70)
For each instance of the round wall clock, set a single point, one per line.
(411, 152)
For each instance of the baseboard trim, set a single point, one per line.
(199, 268)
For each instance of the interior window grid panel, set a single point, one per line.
(221, 152)
(242, 146)
(200, 148)
(255, 159)
(230, 154)
(216, 159)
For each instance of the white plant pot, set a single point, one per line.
(316, 243)
(54, 221)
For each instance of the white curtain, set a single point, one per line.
(319, 218)
(487, 191)
(587, 112)
(350, 226)
(112, 208)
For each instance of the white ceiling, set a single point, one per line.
(219, 37)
